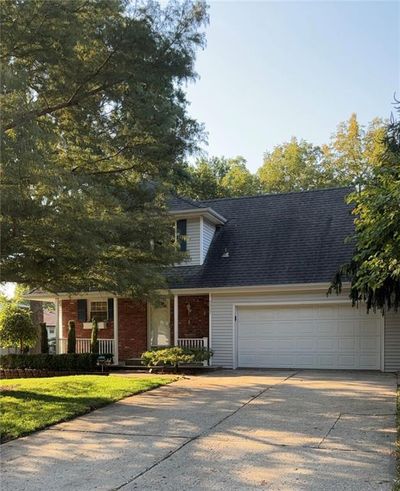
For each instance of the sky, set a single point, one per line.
(275, 69)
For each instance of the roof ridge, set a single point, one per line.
(189, 201)
(264, 195)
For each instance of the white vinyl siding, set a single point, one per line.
(392, 341)
(208, 234)
(222, 312)
(193, 242)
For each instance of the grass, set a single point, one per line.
(27, 405)
(396, 486)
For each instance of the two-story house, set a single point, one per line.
(253, 288)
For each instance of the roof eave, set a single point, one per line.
(208, 213)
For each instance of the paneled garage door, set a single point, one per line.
(317, 336)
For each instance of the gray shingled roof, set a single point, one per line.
(274, 239)
(179, 204)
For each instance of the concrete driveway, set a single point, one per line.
(275, 430)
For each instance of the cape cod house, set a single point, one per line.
(253, 289)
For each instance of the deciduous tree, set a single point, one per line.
(292, 166)
(219, 177)
(16, 327)
(93, 120)
(374, 271)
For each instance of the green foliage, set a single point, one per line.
(292, 166)
(94, 343)
(71, 337)
(353, 152)
(94, 124)
(16, 327)
(174, 356)
(374, 271)
(44, 339)
(219, 178)
(70, 361)
(348, 160)
(297, 165)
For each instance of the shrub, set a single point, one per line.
(44, 339)
(71, 337)
(69, 361)
(16, 327)
(94, 343)
(174, 356)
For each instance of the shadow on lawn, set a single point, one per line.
(59, 409)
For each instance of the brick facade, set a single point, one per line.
(132, 332)
(70, 312)
(132, 316)
(193, 316)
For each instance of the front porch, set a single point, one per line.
(130, 327)
(82, 345)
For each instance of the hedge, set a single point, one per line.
(69, 361)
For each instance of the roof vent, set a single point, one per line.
(226, 253)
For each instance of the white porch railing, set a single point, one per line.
(194, 343)
(82, 345)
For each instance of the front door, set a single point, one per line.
(160, 330)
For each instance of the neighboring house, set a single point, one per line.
(49, 318)
(253, 288)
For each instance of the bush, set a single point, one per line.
(69, 361)
(174, 356)
(44, 339)
(71, 337)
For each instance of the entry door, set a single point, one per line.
(160, 330)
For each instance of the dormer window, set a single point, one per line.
(181, 229)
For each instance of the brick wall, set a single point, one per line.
(132, 332)
(193, 316)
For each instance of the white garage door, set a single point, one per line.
(317, 336)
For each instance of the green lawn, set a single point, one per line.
(27, 405)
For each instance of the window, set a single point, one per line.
(181, 235)
(98, 310)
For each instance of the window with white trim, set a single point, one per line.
(98, 310)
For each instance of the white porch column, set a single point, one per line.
(115, 330)
(57, 304)
(176, 320)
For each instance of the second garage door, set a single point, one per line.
(312, 336)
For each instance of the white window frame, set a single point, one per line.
(101, 324)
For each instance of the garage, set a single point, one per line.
(333, 336)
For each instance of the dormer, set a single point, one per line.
(196, 225)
